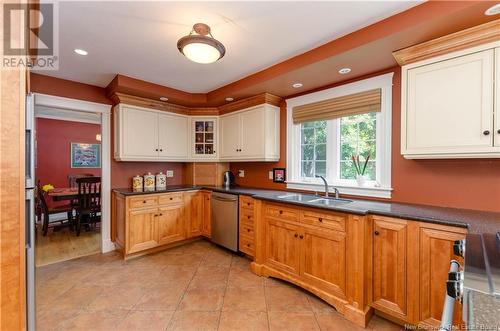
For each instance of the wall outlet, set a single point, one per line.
(241, 173)
(170, 173)
(270, 174)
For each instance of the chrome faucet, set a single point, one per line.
(336, 190)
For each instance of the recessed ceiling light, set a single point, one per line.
(229, 99)
(200, 46)
(493, 10)
(163, 98)
(81, 51)
(297, 85)
(344, 71)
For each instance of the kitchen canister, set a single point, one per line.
(161, 181)
(149, 182)
(137, 183)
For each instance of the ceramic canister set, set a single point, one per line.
(149, 182)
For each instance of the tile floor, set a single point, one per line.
(197, 286)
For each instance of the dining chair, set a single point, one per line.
(72, 179)
(88, 210)
(46, 211)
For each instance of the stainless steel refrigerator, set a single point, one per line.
(30, 212)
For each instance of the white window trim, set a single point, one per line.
(384, 138)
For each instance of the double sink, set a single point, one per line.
(313, 199)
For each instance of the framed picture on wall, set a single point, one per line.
(85, 155)
(279, 175)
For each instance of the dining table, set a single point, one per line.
(63, 193)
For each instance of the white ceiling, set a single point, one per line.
(139, 38)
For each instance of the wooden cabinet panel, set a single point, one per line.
(142, 230)
(283, 246)
(329, 220)
(247, 245)
(207, 214)
(323, 259)
(247, 203)
(389, 266)
(170, 198)
(282, 213)
(193, 203)
(143, 201)
(173, 136)
(436, 252)
(171, 224)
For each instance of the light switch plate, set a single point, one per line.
(241, 173)
(170, 173)
(270, 174)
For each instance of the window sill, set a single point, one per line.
(365, 191)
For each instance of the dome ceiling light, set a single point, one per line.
(200, 46)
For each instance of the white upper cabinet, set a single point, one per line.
(143, 134)
(448, 106)
(497, 98)
(251, 134)
(148, 135)
(173, 136)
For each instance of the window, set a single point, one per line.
(326, 147)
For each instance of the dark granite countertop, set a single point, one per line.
(475, 220)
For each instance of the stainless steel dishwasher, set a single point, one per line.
(225, 220)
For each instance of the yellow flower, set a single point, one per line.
(47, 187)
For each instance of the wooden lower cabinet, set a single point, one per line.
(142, 223)
(389, 266)
(247, 225)
(207, 214)
(142, 230)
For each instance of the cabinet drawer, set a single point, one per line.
(331, 221)
(246, 202)
(247, 245)
(143, 201)
(170, 198)
(282, 213)
(247, 229)
(247, 215)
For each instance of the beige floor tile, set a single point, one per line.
(53, 319)
(160, 298)
(210, 276)
(290, 321)
(117, 297)
(335, 322)
(146, 321)
(46, 295)
(243, 321)
(239, 262)
(181, 259)
(217, 257)
(79, 296)
(202, 299)
(244, 298)
(269, 281)
(102, 320)
(319, 305)
(289, 299)
(380, 324)
(175, 275)
(194, 321)
(244, 278)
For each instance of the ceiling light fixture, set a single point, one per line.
(163, 98)
(344, 71)
(80, 51)
(200, 46)
(493, 10)
(297, 85)
(229, 99)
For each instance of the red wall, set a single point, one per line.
(54, 138)
(469, 183)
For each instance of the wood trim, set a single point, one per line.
(249, 102)
(477, 35)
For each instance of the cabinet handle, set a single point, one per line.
(161, 214)
(143, 201)
(171, 198)
(248, 230)
(156, 149)
(161, 150)
(248, 245)
(486, 132)
(281, 212)
(376, 233)
(498, 131)
(301, 237)
(296, 235)
(248, 217)
(320, 219)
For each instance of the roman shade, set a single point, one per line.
(348, 105)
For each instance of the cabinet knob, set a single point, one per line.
(301, 237)
(486, 132)
(248, 217)
(156, 149)
(376, 233)
(214, 152)
(320, 219)
(143, 201)
(248, 230)
(248, 245)
(171, 198)
(161, 214)
(281, 212)
(296, 235)
(498, 131)
(161, 150)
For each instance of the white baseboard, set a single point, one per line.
(108, 246)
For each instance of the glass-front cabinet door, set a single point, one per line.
(204, 144)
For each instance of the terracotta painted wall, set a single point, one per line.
(471, 184)
(121, 172)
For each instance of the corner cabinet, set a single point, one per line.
(450, 105)
(204, 138)
(251, 134)
(143, 134)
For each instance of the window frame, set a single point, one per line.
(381, 188)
